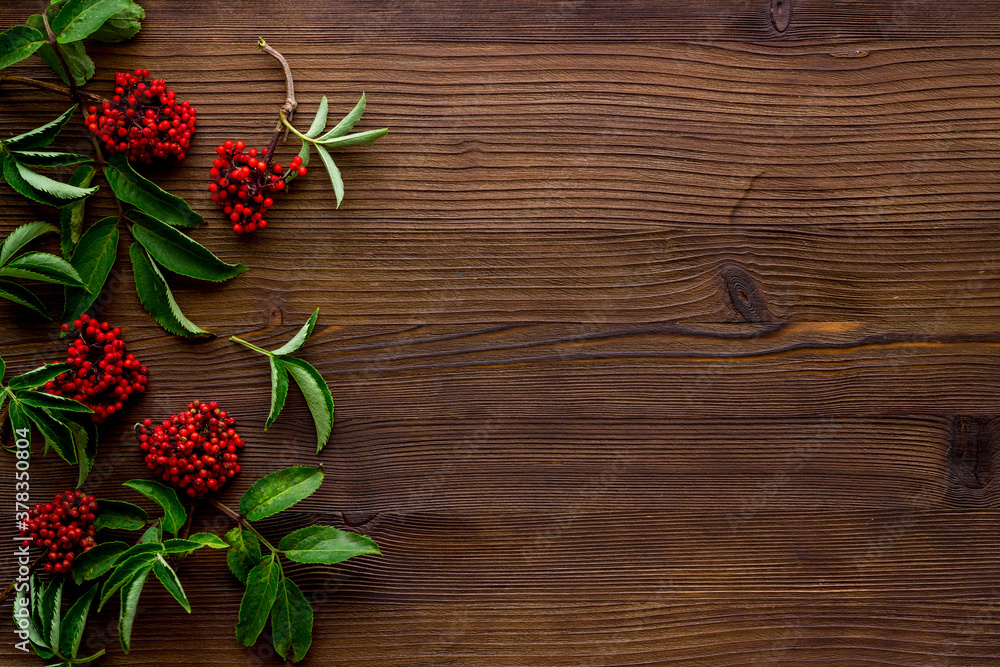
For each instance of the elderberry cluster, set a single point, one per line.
(105, 376)
(195, 451)
(143, 119)
(241, 185)
(64, 527)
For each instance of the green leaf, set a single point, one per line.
(179, 546)
(42, 136)
(123, 573)
(42, 266)
(165, 497)
(23, 297)
(18, 43)
(244, 554)
(46, 159)
(19, 422)
(156, 297)
(141, 549)
(319, 121)
(169, 579)
(93, 260)
(331, 169)
(50, 610)
(74, 622)
(130, 593)
(291, 622)
(278, 491)
(345, 126)
(153, 534)
(300, 337)
(262, 588)
(325, 544)
(79, 18)
(279, 389)
(122, 26)
(75, 55)
(96, 561)
(85, 442)
(178, 252)
(21, 237)
(23, 611)
(38, 376)
(317, 396)
(209, 540)
(38, 399)
(3, 371)
(39, 188)
(147, 196)
(57, 434)
(366, 138)
(71, 215)
(89, 658)
(119, 515)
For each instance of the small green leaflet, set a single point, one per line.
(44, 267)
(178, 252)
(279, 389)
(39, 188)
(317, 396)
(84, 432)
(262, 589)
(38, 399)
(130, 593)
(291, 622)
(97, 560)
(122, 26)
(79, 18)
(278, 491)
(319, 120)
(71, 215)
(40, 137)
(366, 138)
(18, 43)
(120, 515)
(301, 336)
(209, 540)
(57, 435)
(348, 123)
(93, 260)
(140, 549)
(156, 297)
(169, 579)
(38, 376)
(50, 610)
(145, 195)
(46, 159)
(325, 544)
(22, 236)
(22, 296)
(333, 171)
(123, 573)
(174, 514)
(244, 554)
(73, 623)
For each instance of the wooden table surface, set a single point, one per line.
(659, 332)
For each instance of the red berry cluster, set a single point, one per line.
(195, 451)
(242, 187)
(143, 119)
(105, 376)
(64, 527)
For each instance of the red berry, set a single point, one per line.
(240, 184)
(69, 518)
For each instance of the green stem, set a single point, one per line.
(238, 518)
(294, 131)
(237, 339)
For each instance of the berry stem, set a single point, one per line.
(62, 60)
(53, 87)
(237, 339)
(288, 108)
(238, 518)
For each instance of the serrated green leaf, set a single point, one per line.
(156, 297)
(41, 136)
(14, 179)
(140, 549)
(71, 216)
(40, 188)
(300, 337)
(319, 120)
(179, 546)
(97, 560)
(93, 260)
(85, 441)
(279, 390)
(50, 610)
(21, 237)
(123, 573)
(366, 138)
(345, 125)
(19, 422)
(44, 267)
(23, 611)
(178, 252)
(36, 377)
(291, 622)
(119, 515)
(57, 435)
(19, 42)
(334, 172)
(262, 588)
(46, 159)
(73, 623)
(165, 497)
(38, 399)
(79, 18)
(279, 490)
(209, 540)
(146, 196)
(122, 26)
(244, 553)
(317, 396)
(23, 297)
(169, 579)
(325, 544)
(153, 534)
(130, 592)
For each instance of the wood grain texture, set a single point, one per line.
(659, 333)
